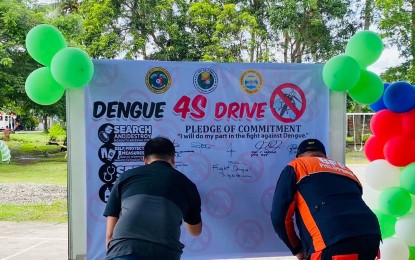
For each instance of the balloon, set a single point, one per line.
(43, 42)
(393, 248)
(371, 197)
(386, 123)
(42, 88)
(368, 89)
(387, 224)
(408, 124)
(407, 179)
(395, 201)
(380, 174)
(365, 47)
(397, 151)
(412, 253)
(405, 229)
(379, 105)
(373, 148)
(399, 97)
(72, 68)
(341, 73)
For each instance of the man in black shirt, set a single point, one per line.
(147, 205)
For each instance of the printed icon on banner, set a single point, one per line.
(158, 80)
(106, 133)
(105, 191)
(288, 103)
(205, 80)
(108, 173)
(251, 81)
(107, 153)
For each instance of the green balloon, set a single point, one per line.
(341, 73)
(42, 88)
(408, 178)
(411, 252)
(368, 89)
(72, 68)
(366, 47)
(395, 201)
(43, 42)
(387, 224)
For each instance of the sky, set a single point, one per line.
(389, 58)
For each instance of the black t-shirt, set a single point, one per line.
(151, 201)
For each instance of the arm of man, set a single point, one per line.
(194, 230)
(283, 208)
(111, 221)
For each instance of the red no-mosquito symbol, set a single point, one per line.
(288, 103)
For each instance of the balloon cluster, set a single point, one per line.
(348, 71)
(65, 67)
(390, 174)
(391, 171)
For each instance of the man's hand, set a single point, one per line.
(301, 255)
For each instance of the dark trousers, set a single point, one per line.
(354, 248)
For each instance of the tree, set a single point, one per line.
(397, 25)
(310, 31)
(16, 20)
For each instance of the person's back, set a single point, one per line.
(326, 198)
(149, 203)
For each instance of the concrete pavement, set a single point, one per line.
(33, 241)
(49, 241)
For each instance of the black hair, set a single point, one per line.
(159, 146)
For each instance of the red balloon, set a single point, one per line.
(374, 148)
(408, 124)
(399, 151)
(386, 123)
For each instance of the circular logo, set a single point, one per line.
(158, 80)
(219, 202)
(288, 103)
(251, 81)
(249, 235)
(205, 80)
(106, 133)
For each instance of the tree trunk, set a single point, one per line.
(45, 124)
(358, 109)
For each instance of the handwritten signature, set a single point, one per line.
(200, 145)
(265, 148)
(233, 169)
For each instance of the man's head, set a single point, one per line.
(311, 147)
(159, 148)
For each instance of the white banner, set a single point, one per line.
(234, 125)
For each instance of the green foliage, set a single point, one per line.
(54, 212)
(57, 133)
(397, 22)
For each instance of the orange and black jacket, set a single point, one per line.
(326, 199)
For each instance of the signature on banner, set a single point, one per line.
(233, 169)
(265, 148)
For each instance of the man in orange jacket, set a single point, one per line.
(326, 198)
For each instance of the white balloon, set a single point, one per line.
(405, 229)
(393, 248)
(380, 174)
(371, 197)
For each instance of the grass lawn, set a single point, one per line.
(55, 212)
(34, 161)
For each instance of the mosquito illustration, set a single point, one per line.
(283, 108)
